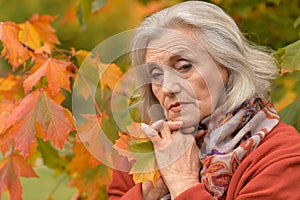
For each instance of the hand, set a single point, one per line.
(177, 156)
(150, 192)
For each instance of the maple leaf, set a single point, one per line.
(11, 88)
(82, 159)
(86, 79)
(38, 107)
(13, 49)
(110, 75)
(92, 135)
(92, 182)
(37, 32)
(136, 146)
(10, 171)
(55, 71)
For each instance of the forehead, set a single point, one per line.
(171, 44)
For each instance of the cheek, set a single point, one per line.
(157, 93)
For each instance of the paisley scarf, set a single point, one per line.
(230, 138)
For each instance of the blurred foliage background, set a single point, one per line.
(83, 24)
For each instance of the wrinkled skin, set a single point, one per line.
(189, 85)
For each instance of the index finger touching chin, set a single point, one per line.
(148, 130)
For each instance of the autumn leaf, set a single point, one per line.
(136, 146)
(11, 87)
(37, 31)
(289, 57)
(87, 78)
(38, 107)
(10, 171)
(110, 75)
(6, 108)
(82, 159)
(144, 169)
(55, 71)
(91, 183)
(92, 136)
(13, 50)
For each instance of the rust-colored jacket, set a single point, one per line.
(270, 172)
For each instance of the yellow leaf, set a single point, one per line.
(110, 76)
(142, 177)
(13, 49)
(37, 32)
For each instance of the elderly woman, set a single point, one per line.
(218, 136)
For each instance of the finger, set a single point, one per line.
(151, 133)
(200, 134)
(146, 187)
(160, 184)
(174, 125)
(188, 130)
(165, 132)
(158, 125)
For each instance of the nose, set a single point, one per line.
(171, 84)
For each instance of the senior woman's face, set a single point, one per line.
(185, 80)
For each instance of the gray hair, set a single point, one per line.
(251, 68)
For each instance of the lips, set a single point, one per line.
(175, 107)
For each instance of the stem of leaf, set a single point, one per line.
(56, 186)
(41, 82)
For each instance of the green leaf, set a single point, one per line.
(137, 146)
(291, 114)
(50, 156)
(289, 57)
(85, 8)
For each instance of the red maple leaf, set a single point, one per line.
(55, 71)
(10, 171)
(38, 107)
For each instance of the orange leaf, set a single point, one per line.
(13, 49)
(10, 171)
(11, 87)
(5, 109)
(110, 76)
(37, 106)
(38, 32)
(133, 145)
(121, 145)
(93, 138)
(54, 70)
(135, 131)
(92, 182)
(82, 159)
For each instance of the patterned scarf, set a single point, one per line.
(230, 138)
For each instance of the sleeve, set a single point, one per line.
(122, 186)
(278, 179)
(195, 192)
(273, 169)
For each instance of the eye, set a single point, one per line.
(156, 75)
(186, 67)
(183, 65)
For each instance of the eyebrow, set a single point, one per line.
(179, 54)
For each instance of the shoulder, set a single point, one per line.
(280, 149)
(283, 136)
(281, 143)
(275, 160)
